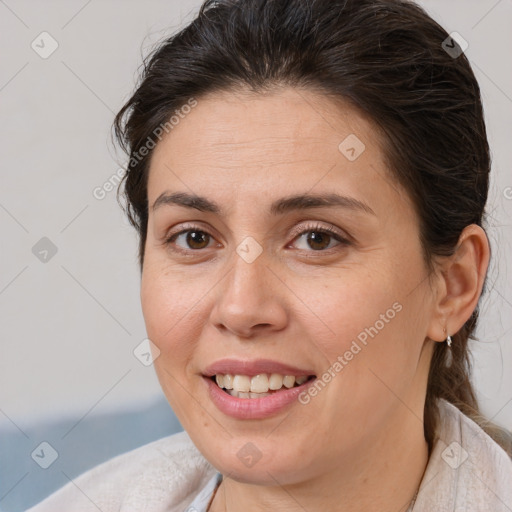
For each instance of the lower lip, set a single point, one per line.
(254, 408)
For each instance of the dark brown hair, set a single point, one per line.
(387, 59)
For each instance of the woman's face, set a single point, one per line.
(245, 280)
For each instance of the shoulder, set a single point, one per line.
(162, 475)
(467, 469)
(480, 447)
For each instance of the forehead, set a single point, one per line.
(263, 145)
(229, 125)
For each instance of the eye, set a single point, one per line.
(319, 238)
(316, 237)
(191, 239)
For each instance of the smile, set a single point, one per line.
(258, 386)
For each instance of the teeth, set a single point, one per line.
(258, 395)
(243, 386)
(276, 381)
(259, 383)
(228, 381)
(241, 394)
(241, 383)
(289, 381)
(299, 380)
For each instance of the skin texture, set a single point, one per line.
(359, 444)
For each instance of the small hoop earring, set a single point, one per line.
(449, 341)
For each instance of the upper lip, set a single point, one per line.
(253, 367)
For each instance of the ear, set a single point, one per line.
(459, 283)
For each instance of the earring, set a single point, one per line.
(449, 341)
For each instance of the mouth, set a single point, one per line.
(258, 386)
(255, 389)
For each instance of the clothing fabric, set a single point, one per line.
(204, 497)
(467, 471)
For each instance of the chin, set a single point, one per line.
(257, 462)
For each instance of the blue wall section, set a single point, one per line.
(81, 446)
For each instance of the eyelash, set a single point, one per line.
(317, 228)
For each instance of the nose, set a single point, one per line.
(250, 299)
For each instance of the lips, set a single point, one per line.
(254, 405)
(255, 367)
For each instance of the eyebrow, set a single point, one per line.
(278, 207)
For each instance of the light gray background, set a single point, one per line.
(70, 325)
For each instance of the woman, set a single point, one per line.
(308, 179)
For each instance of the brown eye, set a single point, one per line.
(318, 240)
(197, 239)
(193, 239)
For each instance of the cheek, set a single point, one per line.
(170, 310)
(366, 321)
(379, 335)
(167, 315)
(158, 306)
(349, 303)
